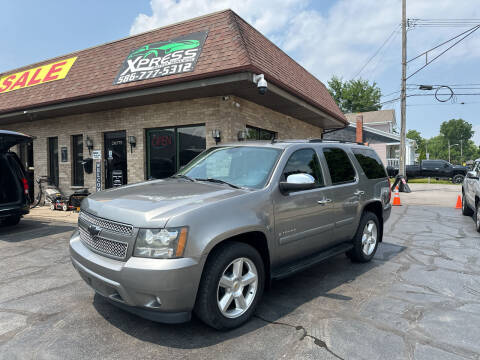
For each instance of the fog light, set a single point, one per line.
(158, 301)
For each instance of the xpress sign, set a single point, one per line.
(162, 58)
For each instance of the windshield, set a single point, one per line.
(244, 166)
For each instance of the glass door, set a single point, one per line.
(115, 159)
(53, 161)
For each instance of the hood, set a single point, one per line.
(11, 138)
(460, 167)
(152, 203)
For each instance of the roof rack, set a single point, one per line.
(332, 140)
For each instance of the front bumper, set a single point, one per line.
(161, 290)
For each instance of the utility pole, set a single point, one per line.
(403, 106)
(449, 151)
(461, 152)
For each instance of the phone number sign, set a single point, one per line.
(162, 58)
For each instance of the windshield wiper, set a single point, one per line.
(181, 176)
(220, 182)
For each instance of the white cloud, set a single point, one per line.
(269, 17)
(336, 41)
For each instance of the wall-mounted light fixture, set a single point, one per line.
(216, 135)
(132, 140)
(242, 135)
(89, 143)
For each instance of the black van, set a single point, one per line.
(14, 198)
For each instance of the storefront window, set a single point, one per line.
(77, 159)
(254, 133)
(170, 148)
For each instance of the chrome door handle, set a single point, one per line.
(324, 201)
(359, 192)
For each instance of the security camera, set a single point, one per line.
(261, 83)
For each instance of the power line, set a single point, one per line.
(395, 92)
(467, 33)
(414, 23)
(377, 51)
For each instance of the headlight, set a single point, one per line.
(161, 243)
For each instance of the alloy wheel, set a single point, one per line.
(237, 287)
(369, 237)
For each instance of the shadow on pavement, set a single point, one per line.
(281, 299)
(29, 229)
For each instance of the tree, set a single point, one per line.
(415, 135)
(355, 95)
(456, 130)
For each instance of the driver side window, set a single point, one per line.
(304, 161)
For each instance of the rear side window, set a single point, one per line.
(370, 162)
(304, 161)
(339, 165)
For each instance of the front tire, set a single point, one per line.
(231, 286)
(367, 237)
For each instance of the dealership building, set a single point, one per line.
(143, 106)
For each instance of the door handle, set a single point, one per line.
(324, 201)
(359, 192)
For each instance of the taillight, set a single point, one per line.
(25, 186)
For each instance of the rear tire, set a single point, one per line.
(11, 220)
(458, 179)
(367, 237)
(220, 281)
(465, 209)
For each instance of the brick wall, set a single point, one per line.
(229, 116)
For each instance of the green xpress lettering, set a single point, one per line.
(162, 58)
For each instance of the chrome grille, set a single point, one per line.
(112, 248)
(108, 225)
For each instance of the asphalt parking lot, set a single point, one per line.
(419, 298)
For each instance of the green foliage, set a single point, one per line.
(415, 135)
(456, 130)
(355, 95)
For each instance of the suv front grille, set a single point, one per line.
(108, 247)
(108, 225)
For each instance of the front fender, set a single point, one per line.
(209, 225)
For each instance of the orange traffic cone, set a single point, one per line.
(396, 198)
(459, 203)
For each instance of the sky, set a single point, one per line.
(327, 37)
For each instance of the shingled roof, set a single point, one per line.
(232, 46)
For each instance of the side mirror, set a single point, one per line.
(472, 175)
(297, 182)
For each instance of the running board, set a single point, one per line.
(305, 263)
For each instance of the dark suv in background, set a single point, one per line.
(14, 198)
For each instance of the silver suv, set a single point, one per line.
(212, 237)
(471, 194)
